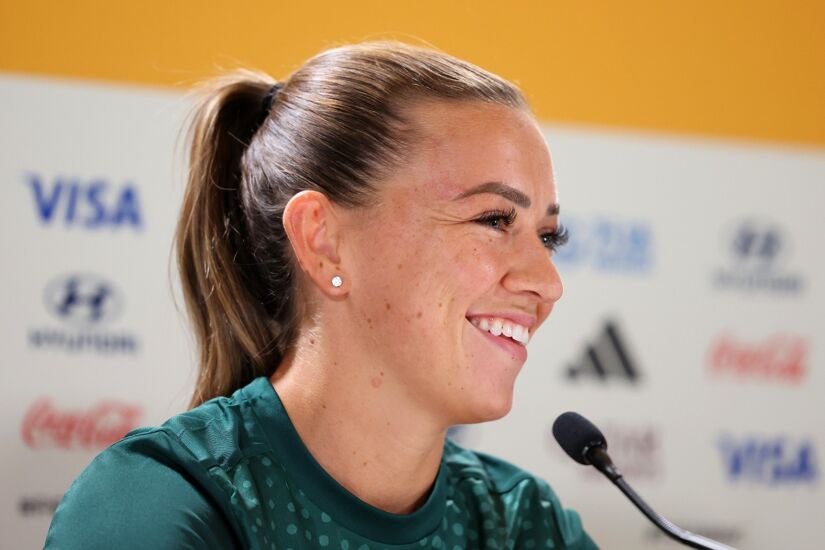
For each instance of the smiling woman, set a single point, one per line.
(366, 249)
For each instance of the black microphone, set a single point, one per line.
(585, 444)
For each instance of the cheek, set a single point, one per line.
(392, 278)
(476, 266)
(416, 277)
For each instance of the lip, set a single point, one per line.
(514, 349)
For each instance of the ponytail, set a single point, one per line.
(234, 334)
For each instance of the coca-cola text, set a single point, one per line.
(96, 428)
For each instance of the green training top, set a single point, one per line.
(233, 473)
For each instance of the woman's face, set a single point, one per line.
(452, 268)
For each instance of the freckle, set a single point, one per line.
(376, 382)
(323, 406)
(400, 266)
(353, 452)
(388, 422)
(418, 315)
(449, 383)
(382, 373)
(440, 304)
(320, 264)
(335, 363)
(388, 306)
(365, 463)
(312, 340)
(462, 388)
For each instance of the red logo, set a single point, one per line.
(781, 356)
(96, 428)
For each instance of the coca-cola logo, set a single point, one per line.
(781, 356)
(106, 422)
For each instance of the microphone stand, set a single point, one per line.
(599, 458)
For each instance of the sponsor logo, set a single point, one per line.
(607, 244)
(757, 252)
(89, 204)
(83, 299)
(46, 426)
(726, 534)
(768, 461)
(38, 505)
(607, 358)
(86, 305)
(779, 357)
(636, 450)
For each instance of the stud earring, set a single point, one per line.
(337, 281)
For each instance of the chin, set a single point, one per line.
(487, 407)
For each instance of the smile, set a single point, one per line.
(515, 349)
(502, 327)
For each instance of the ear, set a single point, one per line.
(312, 226)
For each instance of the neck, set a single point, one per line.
(356, 421)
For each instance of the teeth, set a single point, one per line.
(498, 327)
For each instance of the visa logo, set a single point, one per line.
(770, 461)
(90, 204)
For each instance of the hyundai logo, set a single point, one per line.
(83, 299)
(758, 244)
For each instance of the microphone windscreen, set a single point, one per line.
(576, 435)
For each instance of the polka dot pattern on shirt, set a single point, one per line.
(291, 520)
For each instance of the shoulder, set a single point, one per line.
(526, 498)
(153, 488)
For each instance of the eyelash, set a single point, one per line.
(499, 219)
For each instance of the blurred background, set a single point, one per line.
(689, 145)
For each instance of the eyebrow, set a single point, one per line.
(510, 193)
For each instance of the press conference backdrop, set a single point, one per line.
(691, 327)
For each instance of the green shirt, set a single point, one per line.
(233, 473)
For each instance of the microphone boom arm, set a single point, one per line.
(597, 456)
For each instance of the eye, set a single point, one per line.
(497, 219)
(552, 240)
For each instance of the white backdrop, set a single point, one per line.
(690, 329)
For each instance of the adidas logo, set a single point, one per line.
(606, 359)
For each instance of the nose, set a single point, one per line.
(533, 272)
